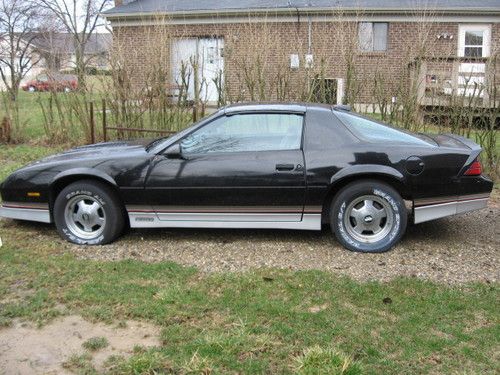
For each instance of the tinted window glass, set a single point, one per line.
(248, 132)
(372, 131)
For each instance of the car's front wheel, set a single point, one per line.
(88, 213)
(368, 216)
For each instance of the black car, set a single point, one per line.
(283, 166)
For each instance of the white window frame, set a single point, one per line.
(462, 29)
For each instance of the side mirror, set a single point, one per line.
(173, 152)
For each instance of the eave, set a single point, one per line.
(304, 11)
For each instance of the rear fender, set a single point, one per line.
(367, 169)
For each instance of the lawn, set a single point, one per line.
(261, 321)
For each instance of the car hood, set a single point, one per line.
(98, 151)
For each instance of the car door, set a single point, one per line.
(237, 168)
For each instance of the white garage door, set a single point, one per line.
(207, 54)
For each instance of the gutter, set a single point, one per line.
(316, 11)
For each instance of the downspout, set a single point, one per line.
(309, 31)
(309, 26)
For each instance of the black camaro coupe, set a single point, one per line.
(283, 166)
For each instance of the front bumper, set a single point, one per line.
(26, 211)
(431, 209)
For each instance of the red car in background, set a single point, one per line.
(52, 82)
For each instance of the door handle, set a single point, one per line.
(285, 167)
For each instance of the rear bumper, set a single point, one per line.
(26, 211)
(427, 209)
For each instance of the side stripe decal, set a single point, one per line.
(225, 209)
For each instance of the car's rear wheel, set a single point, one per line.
(88, 213)
(31, 89)
(368, 216)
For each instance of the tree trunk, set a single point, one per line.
(80, 67)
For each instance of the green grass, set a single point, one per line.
(95, 343)
(80, 364)
(30, 112)
(230, 322)
(330, 360)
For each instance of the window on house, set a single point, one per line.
(324, 90)
(473, 44)
(372, 36)
(474, 40)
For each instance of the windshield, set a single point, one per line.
(156, 142)
(182, 133)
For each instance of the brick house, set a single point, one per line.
(364, 52)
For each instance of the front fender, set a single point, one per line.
(90, 172)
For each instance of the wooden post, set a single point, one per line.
(92, 123)
(104, 124)
(195, 113)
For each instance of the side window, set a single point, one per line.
(372, 131)
(474, 40)
(246, 132)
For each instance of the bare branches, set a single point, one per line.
(19, 26)
(80, 18)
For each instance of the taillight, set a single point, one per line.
(475, 169)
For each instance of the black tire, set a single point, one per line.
(103, 206)
(373, 234)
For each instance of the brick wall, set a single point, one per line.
(333, 46)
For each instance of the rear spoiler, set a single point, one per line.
(474, 147)
(466, 141)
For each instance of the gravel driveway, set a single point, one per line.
(452, 250)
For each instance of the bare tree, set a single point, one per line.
(79, 18)
(19, 27)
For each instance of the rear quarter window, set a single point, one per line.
(372, 131)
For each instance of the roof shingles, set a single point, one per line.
(193, 6)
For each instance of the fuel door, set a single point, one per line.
(414, 165)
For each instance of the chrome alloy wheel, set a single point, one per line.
(85, 216)
(369, 218)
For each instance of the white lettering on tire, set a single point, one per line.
(394, 205)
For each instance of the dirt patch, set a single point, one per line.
(25, 349)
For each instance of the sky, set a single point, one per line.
(101, 28)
